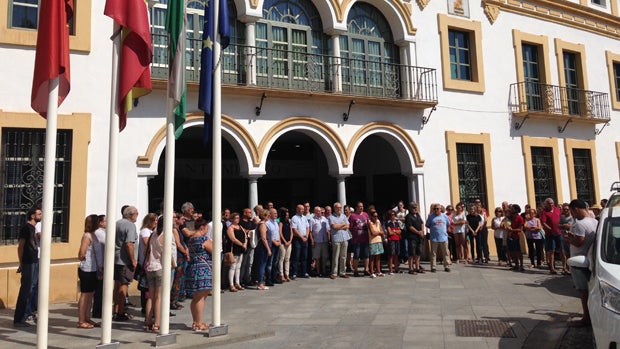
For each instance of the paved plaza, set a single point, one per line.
(433, 310)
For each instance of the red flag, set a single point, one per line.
(136, 52)
(52, 54)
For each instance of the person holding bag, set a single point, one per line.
(235, 247)
(87, 272)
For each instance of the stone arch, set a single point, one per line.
(327, 139)
(408, 156)
(238, 137)
(326, 10)
(397, 12)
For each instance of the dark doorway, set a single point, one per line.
(193, 168)
(377, 177)
(297, 171)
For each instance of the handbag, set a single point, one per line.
(229, 257)
(99, 269)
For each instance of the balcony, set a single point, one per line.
(299, 74)
(542, 101)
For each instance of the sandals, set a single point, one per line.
(199, 327)
(123, 317)
(239, 287)
(85, 325)
(95, 324)
(232, 289)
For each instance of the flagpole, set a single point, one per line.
(217, 171)
(48, 213)
(164, 338)
(110, 236)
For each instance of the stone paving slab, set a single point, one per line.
(399, 311)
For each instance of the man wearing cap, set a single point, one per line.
(414, 235)
(580, 237)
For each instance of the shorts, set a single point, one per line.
(88, 280)
(414, 247)
(514, 245)
(376, 248)
(553, 243)
(393, 247)
(319, 251)
(360, 250)
(123, 274)
(154, 278)
(580, 276)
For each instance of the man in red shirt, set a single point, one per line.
(550, 220)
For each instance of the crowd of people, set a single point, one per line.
(264, 246)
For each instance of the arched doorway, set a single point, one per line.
(377, 177)
(193, 169)
(296, 171)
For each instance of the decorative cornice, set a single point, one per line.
(422, 3)
(405, 10)
(492, 12)
(565, 13)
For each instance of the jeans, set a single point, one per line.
(25, 291)
(33, 301)
(246, 266)
(501, 250)
(339, 257)
(535, 249)
(300, 256)
(260, 262)
(272, 265)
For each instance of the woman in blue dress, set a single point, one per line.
(199, 272)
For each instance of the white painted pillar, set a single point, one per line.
(421, 197)
(342, 190)
(250, 34)
(412, 188)
(252, 191)
(337, 67)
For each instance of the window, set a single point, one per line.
(543, 170)
(531, 76)
(369, 55)
(460, 67)
(470, 162)
(232, 66)
(617, 80)
(461, 54)
(22, 161)
(571, 82)
(610, 240)
(290, 46)
(573, 78)
(19, 21)
(583, 175)
(613, 67)
(582, 170)
(599, 2)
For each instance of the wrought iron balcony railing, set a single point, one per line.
(530, 97)
(299, 70)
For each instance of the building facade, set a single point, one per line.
(326, 100)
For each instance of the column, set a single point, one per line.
(412, 191)
(337, 65)
(407, 73)
(250, 34)
(342, 190)
(252, 191)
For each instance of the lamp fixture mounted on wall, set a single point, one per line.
(260, 107)
(345, 116)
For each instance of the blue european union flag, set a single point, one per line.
(205, 96)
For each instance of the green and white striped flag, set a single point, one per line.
(176, 28)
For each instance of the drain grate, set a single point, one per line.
(483, 328)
